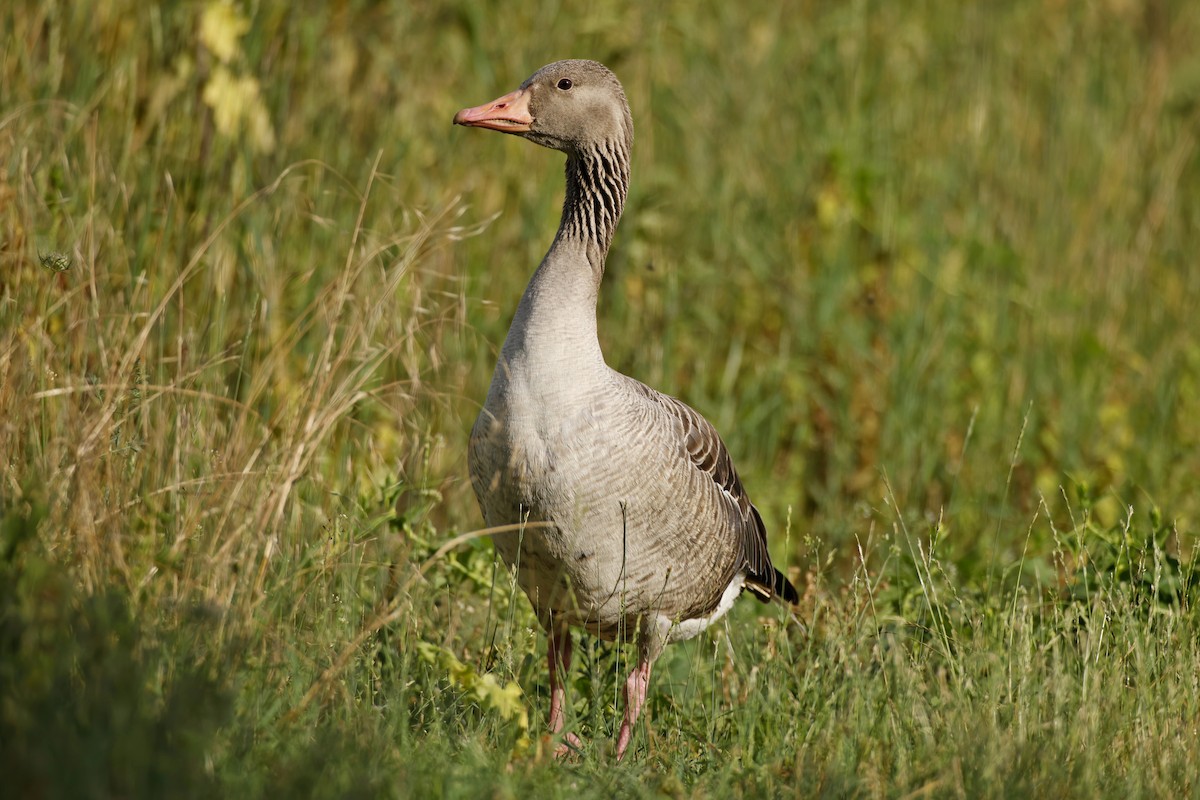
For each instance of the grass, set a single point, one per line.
(929, 268)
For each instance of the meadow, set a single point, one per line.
(929, 267)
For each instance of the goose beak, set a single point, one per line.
(508, 114)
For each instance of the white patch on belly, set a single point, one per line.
(687, 628)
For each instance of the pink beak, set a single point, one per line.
(509, 114)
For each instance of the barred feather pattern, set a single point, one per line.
(597, 182)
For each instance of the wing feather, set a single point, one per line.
(708, 454)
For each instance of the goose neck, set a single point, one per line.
(597, 182)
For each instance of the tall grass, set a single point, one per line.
(930, 269)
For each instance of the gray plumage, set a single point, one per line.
(647, 527)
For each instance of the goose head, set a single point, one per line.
(574, 106)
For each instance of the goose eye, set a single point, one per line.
(565, 84)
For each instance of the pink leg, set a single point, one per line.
(635, 698)
(558, 654)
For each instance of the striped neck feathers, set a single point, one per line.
(597, 182)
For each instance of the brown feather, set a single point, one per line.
(708, 453)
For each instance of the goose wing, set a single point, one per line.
(707, 453)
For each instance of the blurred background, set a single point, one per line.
(946, 246)
(929, 267)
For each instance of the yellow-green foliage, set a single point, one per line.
(504, 699)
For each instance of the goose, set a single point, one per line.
(619, 507)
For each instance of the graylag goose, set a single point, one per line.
(623, 510)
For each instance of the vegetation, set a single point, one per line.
(930, 267)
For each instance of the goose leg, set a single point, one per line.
(558, 655)
(635, 698)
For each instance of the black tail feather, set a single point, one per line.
(784, 588)
(781, 588)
